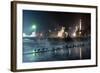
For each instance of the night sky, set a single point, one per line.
(45, 20)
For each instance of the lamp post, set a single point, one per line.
(34, 27)
(33, 31)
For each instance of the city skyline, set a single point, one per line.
(49, 21)
(56, 36)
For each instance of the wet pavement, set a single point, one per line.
(45, 49)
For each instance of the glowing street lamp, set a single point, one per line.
(33, 27)
(33, 31)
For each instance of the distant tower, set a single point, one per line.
(80, 25)
(79, 29)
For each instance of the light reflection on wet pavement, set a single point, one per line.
(45, 50)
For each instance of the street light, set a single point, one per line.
(33, 27)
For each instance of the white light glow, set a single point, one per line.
(60, 33)
(33, 51)
(33, 34)
(74, 34)
(24, 35)
(80, 25)
(34, 27)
